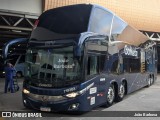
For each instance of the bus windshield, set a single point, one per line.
(53, 67)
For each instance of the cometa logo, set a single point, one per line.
(128, 50)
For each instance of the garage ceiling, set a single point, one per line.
(15, 25)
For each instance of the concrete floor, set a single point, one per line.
(145, 99)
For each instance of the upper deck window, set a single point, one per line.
(71, 19)
(118, 27)
(101, 21)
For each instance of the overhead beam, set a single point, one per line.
(15, 28)
(18, 21)
(11, 14)
(152, 35)
(30, 22)
(5, 20)
(14, 33)
(10, 36)
(18, 13)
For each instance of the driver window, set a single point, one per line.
(92, 65)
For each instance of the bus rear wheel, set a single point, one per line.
(150, 80)
(121, 92)
(110, 96)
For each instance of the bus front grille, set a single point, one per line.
(46, 98)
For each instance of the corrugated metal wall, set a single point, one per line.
(142, 14)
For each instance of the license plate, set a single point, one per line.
(46, 109)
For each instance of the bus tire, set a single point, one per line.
(121, 92)
(110, 96)
(26, 105)
(152, 79)
(149, 81)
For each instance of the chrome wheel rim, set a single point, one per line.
(121, 91)
(149, 81)
(111, 95)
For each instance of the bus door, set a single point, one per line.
(92, 75)
(94, 70)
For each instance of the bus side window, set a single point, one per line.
(102, 59)
(134, 65)
(92, 65)
(126, 65)
(131, 65)
(114, 68)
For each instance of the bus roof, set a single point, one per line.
(70, 21)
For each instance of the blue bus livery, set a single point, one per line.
(83, 56)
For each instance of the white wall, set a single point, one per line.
(31, 6)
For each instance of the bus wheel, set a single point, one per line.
(110, 96)
(121, 93)
(152, 79)
(149, 81)
(26, 106)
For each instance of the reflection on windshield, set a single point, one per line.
(55, 67)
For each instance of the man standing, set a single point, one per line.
(9, 77)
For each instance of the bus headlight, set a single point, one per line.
(26, 91)
(72, 95)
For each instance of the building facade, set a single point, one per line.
(144, 15)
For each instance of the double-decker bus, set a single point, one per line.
(83, 56)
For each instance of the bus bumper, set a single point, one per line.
(60, 106)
